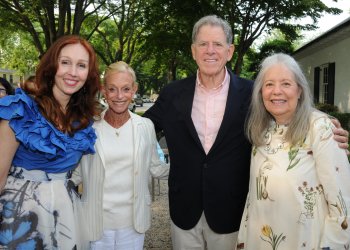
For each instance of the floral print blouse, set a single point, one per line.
(299, 197)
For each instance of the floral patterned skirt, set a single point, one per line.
(37, 211)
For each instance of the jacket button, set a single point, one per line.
(205, 165)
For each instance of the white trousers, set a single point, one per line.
(201, 237)
(121, 239)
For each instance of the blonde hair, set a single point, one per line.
(259, 118)
(119, 67)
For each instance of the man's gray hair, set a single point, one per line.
(213, 20)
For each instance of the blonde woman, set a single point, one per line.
(116, 199)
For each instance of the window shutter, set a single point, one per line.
(331, 83)
(316, 84)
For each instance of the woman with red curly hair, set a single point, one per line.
(44, 134)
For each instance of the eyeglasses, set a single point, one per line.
(3, 92)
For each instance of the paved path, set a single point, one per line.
(144, 107)
(158, 236)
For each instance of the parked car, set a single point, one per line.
(146, 99)
(138, 100)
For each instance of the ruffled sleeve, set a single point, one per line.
(36, 134)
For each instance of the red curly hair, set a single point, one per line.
(83, 106)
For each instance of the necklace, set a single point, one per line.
(279, 132)
(117, 131)
(116, 122)
(120, 129)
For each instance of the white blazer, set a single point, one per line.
(91, 173)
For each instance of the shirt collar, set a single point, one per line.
(198, 81)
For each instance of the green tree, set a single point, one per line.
(251, 18)
(248, 18)
(120, 36)
(114, 28)
(17, 52)
(169, 38)
(47, 20)
(276, 45)
(154, 36)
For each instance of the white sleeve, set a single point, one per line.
(333, 170)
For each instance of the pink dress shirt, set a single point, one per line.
(208, 110)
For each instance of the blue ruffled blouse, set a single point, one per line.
(42, 145)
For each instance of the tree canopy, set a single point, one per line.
(154, 36)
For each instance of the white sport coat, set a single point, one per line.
(91, 173)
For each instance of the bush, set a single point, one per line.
(344, 119)
(327, 108)
(332, 110)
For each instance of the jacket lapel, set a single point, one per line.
(183, 103)
(98, 146)
(136, 122)
(232, 108)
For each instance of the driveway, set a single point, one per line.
(144, 108)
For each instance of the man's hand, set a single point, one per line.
(341, 135)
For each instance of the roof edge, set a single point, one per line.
(333, 30)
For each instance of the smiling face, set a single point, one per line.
(211, 51)
(119, 91)
(280, 93)
(72, 72)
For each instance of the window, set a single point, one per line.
(323, 97)
(324, 80)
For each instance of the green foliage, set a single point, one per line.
(344, 119)
(250, 19)
(149, 77)
(18, 53)
(332, 111)
(154, 35)
(267, 48)
(119, 37)
(326, 107)
(168, 40)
